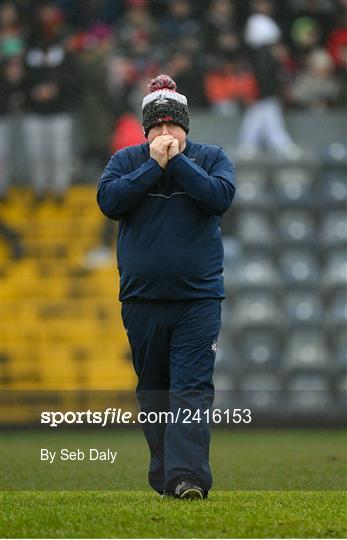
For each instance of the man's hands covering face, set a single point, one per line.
(163, 148)
(173, 149)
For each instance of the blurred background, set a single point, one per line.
(264, 79)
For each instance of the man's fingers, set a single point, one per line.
(168, 143)
(162, 138)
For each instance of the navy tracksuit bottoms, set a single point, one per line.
(173, 347)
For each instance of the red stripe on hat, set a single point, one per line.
(165, 119)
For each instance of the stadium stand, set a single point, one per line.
(62, 326)
(283, 338)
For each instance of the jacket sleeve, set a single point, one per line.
(119, 192)
(213, 191)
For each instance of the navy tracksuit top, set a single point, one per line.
(169, 244)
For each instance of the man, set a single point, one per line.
(263, 122)
(53, 85)
(169, 195)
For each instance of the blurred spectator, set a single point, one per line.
(316, 86)
(128, 131)
(217, 20)
(337, 42)
(306, 36)
(337, 47)
(263, 123)
(97, 105)
(81, 14)
(313, 6)
(179, 22)
(90, 38)
(229, 85)
(137, 30)
(54, 87)
(13, 102)
(121, 74)
(11, 39)
(136, 52)
(321, 12)
(180, 30)
(190, 44)
(227, 43)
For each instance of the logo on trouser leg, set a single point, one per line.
(214, 346)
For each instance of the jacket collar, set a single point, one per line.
(188, 147)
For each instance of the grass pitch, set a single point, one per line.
(267, 483)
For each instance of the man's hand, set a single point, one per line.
(173, 148)
(159, 149)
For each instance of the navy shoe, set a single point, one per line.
(189, 490)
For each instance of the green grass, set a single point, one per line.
(267, 483)
(145, 515)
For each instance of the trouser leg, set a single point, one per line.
(5, 135)
(192, 356)
(275, 133)
(35, 139)
(60, 127)
(251, 126)
(149, 341)
(155, 400)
